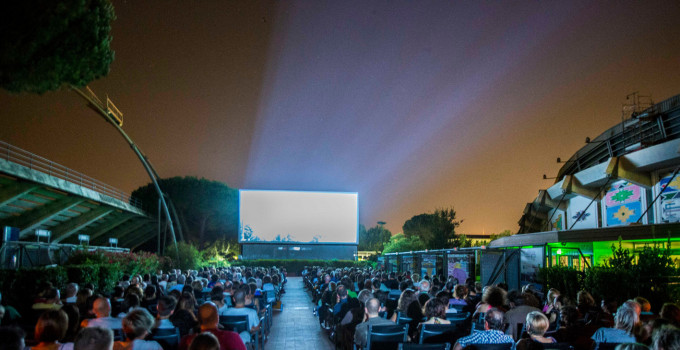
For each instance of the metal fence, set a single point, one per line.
(22, 157)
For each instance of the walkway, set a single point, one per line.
(296, 327)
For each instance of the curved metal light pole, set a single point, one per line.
(114, 117)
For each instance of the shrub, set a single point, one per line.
(189, 256)
(83, 274)
(567, 280)
(296, 265)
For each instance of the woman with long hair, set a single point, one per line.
(184, 317)
(50, 329)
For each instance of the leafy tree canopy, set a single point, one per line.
(373, 239)
(207, 210)
(437, 230)
(45, 44)
(401, 243)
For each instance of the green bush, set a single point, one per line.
(567, 280)
(611, 282)
(109, 276)
(27, 283)
(648, 272)
(83, 274)
(296, 265)
(189, 257)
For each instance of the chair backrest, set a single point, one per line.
(429, 330)
(414, 346)
(459, 316)
(519, 330)
(606, 346)
(237, 324)
(505, 346)
(458, 307)
(403, 319)
(478, 323)
(118, 335)
(386, 335)
(168, 338)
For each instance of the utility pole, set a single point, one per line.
(114, 117)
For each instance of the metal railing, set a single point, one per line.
(19, 156)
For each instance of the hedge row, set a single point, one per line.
(20, 287)
(296, 265)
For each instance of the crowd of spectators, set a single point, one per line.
(142, 311)
(349, 300)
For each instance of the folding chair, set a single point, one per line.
(606, 346)
(459, 316)
(239, 324)
(478, 324)
(429, 330)
(168, 338)
(401, 319)
(386, 336)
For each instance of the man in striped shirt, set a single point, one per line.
(492, 333)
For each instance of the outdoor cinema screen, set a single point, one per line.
(298, 217)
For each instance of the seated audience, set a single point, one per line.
(209, 320)
(671, 312)
(585, 303)
(50, 328)
(460, 294)
(50, 300)
(12, 338)
(205, 341)
(549, 299)
(493, 297)
(102, 310)
(70, 296)
(407, 297)
(241, 309)
(492, 333)
(94, 338)
(521, 305)
(184, 318)
(137, 325)
(73, 322)
(666, 338)
(423, 291)
(435, 311)
(10, 316)
(371, 317)
(572, 331)
(342, 298)
(536, 325)
(165, 307)
(150, 297)
(624, 323)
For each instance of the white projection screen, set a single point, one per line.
(298, 217)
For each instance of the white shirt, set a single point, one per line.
(253, 319)
(137, 345)
(105, 322)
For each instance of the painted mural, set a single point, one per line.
(580, 214)
(668, 204)
(458, 267)
(623, 204)
(558, 220)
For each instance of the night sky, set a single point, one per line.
(415, 105)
